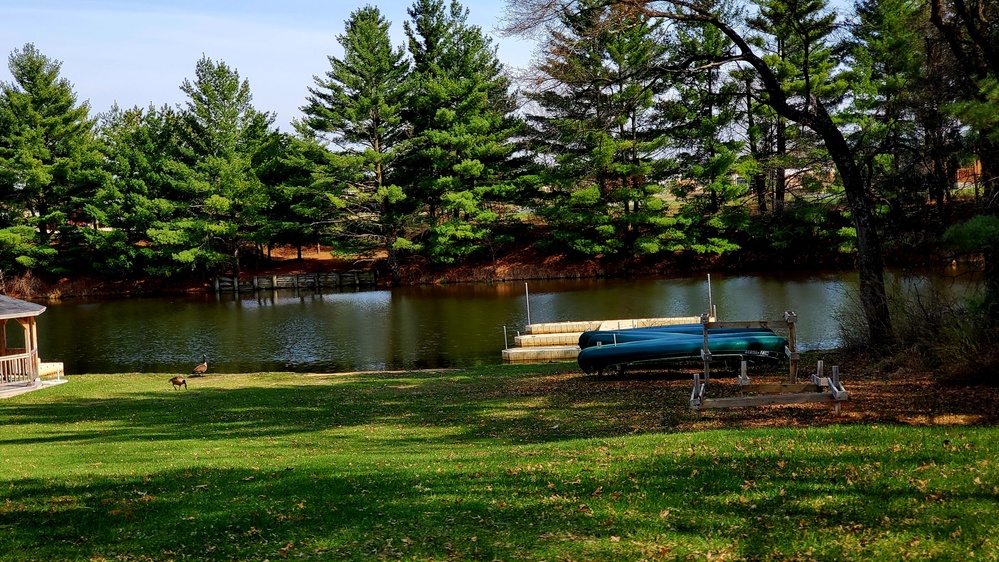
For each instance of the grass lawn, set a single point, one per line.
(490, 463)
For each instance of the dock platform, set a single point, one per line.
(553, 342)
(541, 354)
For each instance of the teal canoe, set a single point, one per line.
(679, 346)
(672, 329)
(604, 337)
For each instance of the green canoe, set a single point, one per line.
(680, 346)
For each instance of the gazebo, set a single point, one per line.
(19, 362)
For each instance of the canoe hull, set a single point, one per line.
(605, 337)
(688, 346)
(672, 329)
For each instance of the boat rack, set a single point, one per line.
(819, 389)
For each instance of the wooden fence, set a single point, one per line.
(314, 281)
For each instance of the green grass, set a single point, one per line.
(507, 463)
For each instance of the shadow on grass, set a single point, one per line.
(539, 408)
(663, 504)
(446, 465)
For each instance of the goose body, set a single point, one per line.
(200, 368)
(177, 382)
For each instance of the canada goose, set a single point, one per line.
(201, 367)
(177, 382)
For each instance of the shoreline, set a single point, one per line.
(524, 264)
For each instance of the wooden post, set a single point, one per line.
(37, 363)
(217, 285)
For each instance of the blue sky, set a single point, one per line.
(139, 52)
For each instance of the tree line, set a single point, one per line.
(777, 128)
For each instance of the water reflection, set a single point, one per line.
(412, 327)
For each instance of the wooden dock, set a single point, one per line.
(313, 281)
(554, 342)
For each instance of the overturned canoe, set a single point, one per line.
(679, 346)
(604, 337)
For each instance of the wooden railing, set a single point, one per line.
(20, 367)
(353, 278)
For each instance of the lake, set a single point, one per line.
(415, 327)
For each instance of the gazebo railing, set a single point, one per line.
(19, 367)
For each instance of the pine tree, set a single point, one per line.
(48, 158)
(903, 134)
(595, 129)
(224, 201)
(356, 108)
(700, 114)
(21, 250)
(140, 148)
(798, 46)
(286, 164)
(459, 110)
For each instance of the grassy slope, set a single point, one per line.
(487, 463)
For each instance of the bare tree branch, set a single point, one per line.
(532, 18)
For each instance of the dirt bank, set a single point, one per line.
(521, 262)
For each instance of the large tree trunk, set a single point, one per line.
(870, 263)
(940, 180)
(759, 186)
(813, 114)
(780, 189)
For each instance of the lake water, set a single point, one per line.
(410, 327)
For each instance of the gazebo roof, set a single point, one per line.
(16, 308)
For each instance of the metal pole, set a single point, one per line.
(527, 295)
(506, 344)
(711, 306)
